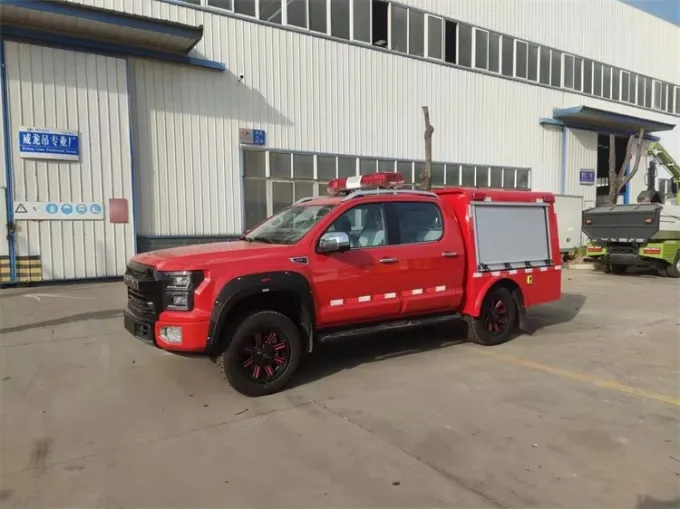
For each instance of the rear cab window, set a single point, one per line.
(414, 222)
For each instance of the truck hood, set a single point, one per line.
(205, 256)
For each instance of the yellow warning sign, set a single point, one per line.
(530, 280)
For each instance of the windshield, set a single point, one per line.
(289, 225)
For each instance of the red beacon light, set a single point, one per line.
(382, 180)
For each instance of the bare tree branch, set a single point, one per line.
(425, 177)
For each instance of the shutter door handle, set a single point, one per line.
(388, 261)
(449, 254)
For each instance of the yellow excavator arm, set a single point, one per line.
(659, 153)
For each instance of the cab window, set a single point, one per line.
(417, 222)
(364, 224)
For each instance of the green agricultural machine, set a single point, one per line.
(645, 234)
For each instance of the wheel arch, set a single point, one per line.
(287, 292)
(517, 295)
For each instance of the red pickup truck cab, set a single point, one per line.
(370, 257)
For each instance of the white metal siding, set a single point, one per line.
(581, 155)
(70, 90)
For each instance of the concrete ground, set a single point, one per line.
(582, 414)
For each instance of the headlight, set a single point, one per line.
(179, 289)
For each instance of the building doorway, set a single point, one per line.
(602, 192)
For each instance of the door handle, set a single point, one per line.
(449, 254)
(387, 261)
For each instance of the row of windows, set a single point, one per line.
(405, 30)
(275, 179)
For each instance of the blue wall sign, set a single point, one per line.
(586, 177)
(252, 137)
(57, 144)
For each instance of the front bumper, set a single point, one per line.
(194, 333)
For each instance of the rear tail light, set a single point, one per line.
(589, 221)
(651, 250)
(648, 220)
(595, 249)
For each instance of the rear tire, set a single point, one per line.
(673, 270)
(618, 269)
(496, 321)
(263, 354)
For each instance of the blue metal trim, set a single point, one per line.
(634, 122)
(564, 159)
(626, 191)
(118, 50)
(111, 17)
(133, 164)
(559, 123)
(9, 190)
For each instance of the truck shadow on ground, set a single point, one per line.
(648, 502)
(342, 355)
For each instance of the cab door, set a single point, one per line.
(431, 253)
(361, 284)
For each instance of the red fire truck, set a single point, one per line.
(371, 256)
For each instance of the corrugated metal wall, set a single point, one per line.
(314, 94)
(581, 155)
(72, 90)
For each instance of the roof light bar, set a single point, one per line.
(373, 181)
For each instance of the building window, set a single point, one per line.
(508, 55)
(657, 95)
(640, 91)
(482, 176)
(494, 52)
(508, 178)
(496, 177)
(588, 76)
(406, 170)
(556, 68)
(270, 10)
(340, 19)
(465, 45)
(416, 33)
(467, 176)
(347, 167)
(522, 179)
(279, 165)
(380, 23)
(481, 49)
(220, 4)
(326, 168)
(664, 97)
(648, 92)
(386, 166)
(597, 79)
(367, 166)
(452, 175)
(677, 100)
(362, 20)
(522, 55)
(450, 42)
(607, 82)
(317, 16)
(544, 77)
(297, 13)
(303, 166)
(254, 163)
(438, 171)
(625, 86)
(435, 37)
(533, 62)
(246, 7)
(399, 30)
(616, 85)
(568, 71)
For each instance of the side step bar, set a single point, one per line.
(326, 336)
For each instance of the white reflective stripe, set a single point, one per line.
(353, 182)
(544, 269)
(558, 267)
(528, 271)
(440, 289)
(417, 291)
(390, 295)
(365, 298)
(495, 273)
(512, 272)
(338, 302)
(477, 274)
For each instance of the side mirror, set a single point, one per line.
(333, 242)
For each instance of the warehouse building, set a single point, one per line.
(130, 125)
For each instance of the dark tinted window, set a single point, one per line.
(494, 53)
(340, 18)
(578, 74)
(607, 82)
(616, 84)
(625, 86)
(465, 45)
(568, 71)
(533, 62)
(317, 16)
(435, 34)
(508, 56)
(416, 222)
(588, 76)
(545, 66)
(522, 50)
(648, 92)
(270, 10)
(556, 69)
(416, 33)
(481, 49)
(297, 13)
(362, 21)
(399, 41)
(597, 79)
(246, 7)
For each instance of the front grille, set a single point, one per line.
(145, 293)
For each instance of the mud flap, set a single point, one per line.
(522, 322)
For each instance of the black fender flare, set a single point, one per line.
(248, 285)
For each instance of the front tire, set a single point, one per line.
(496, 321)
(673, 270)
(263, 354)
